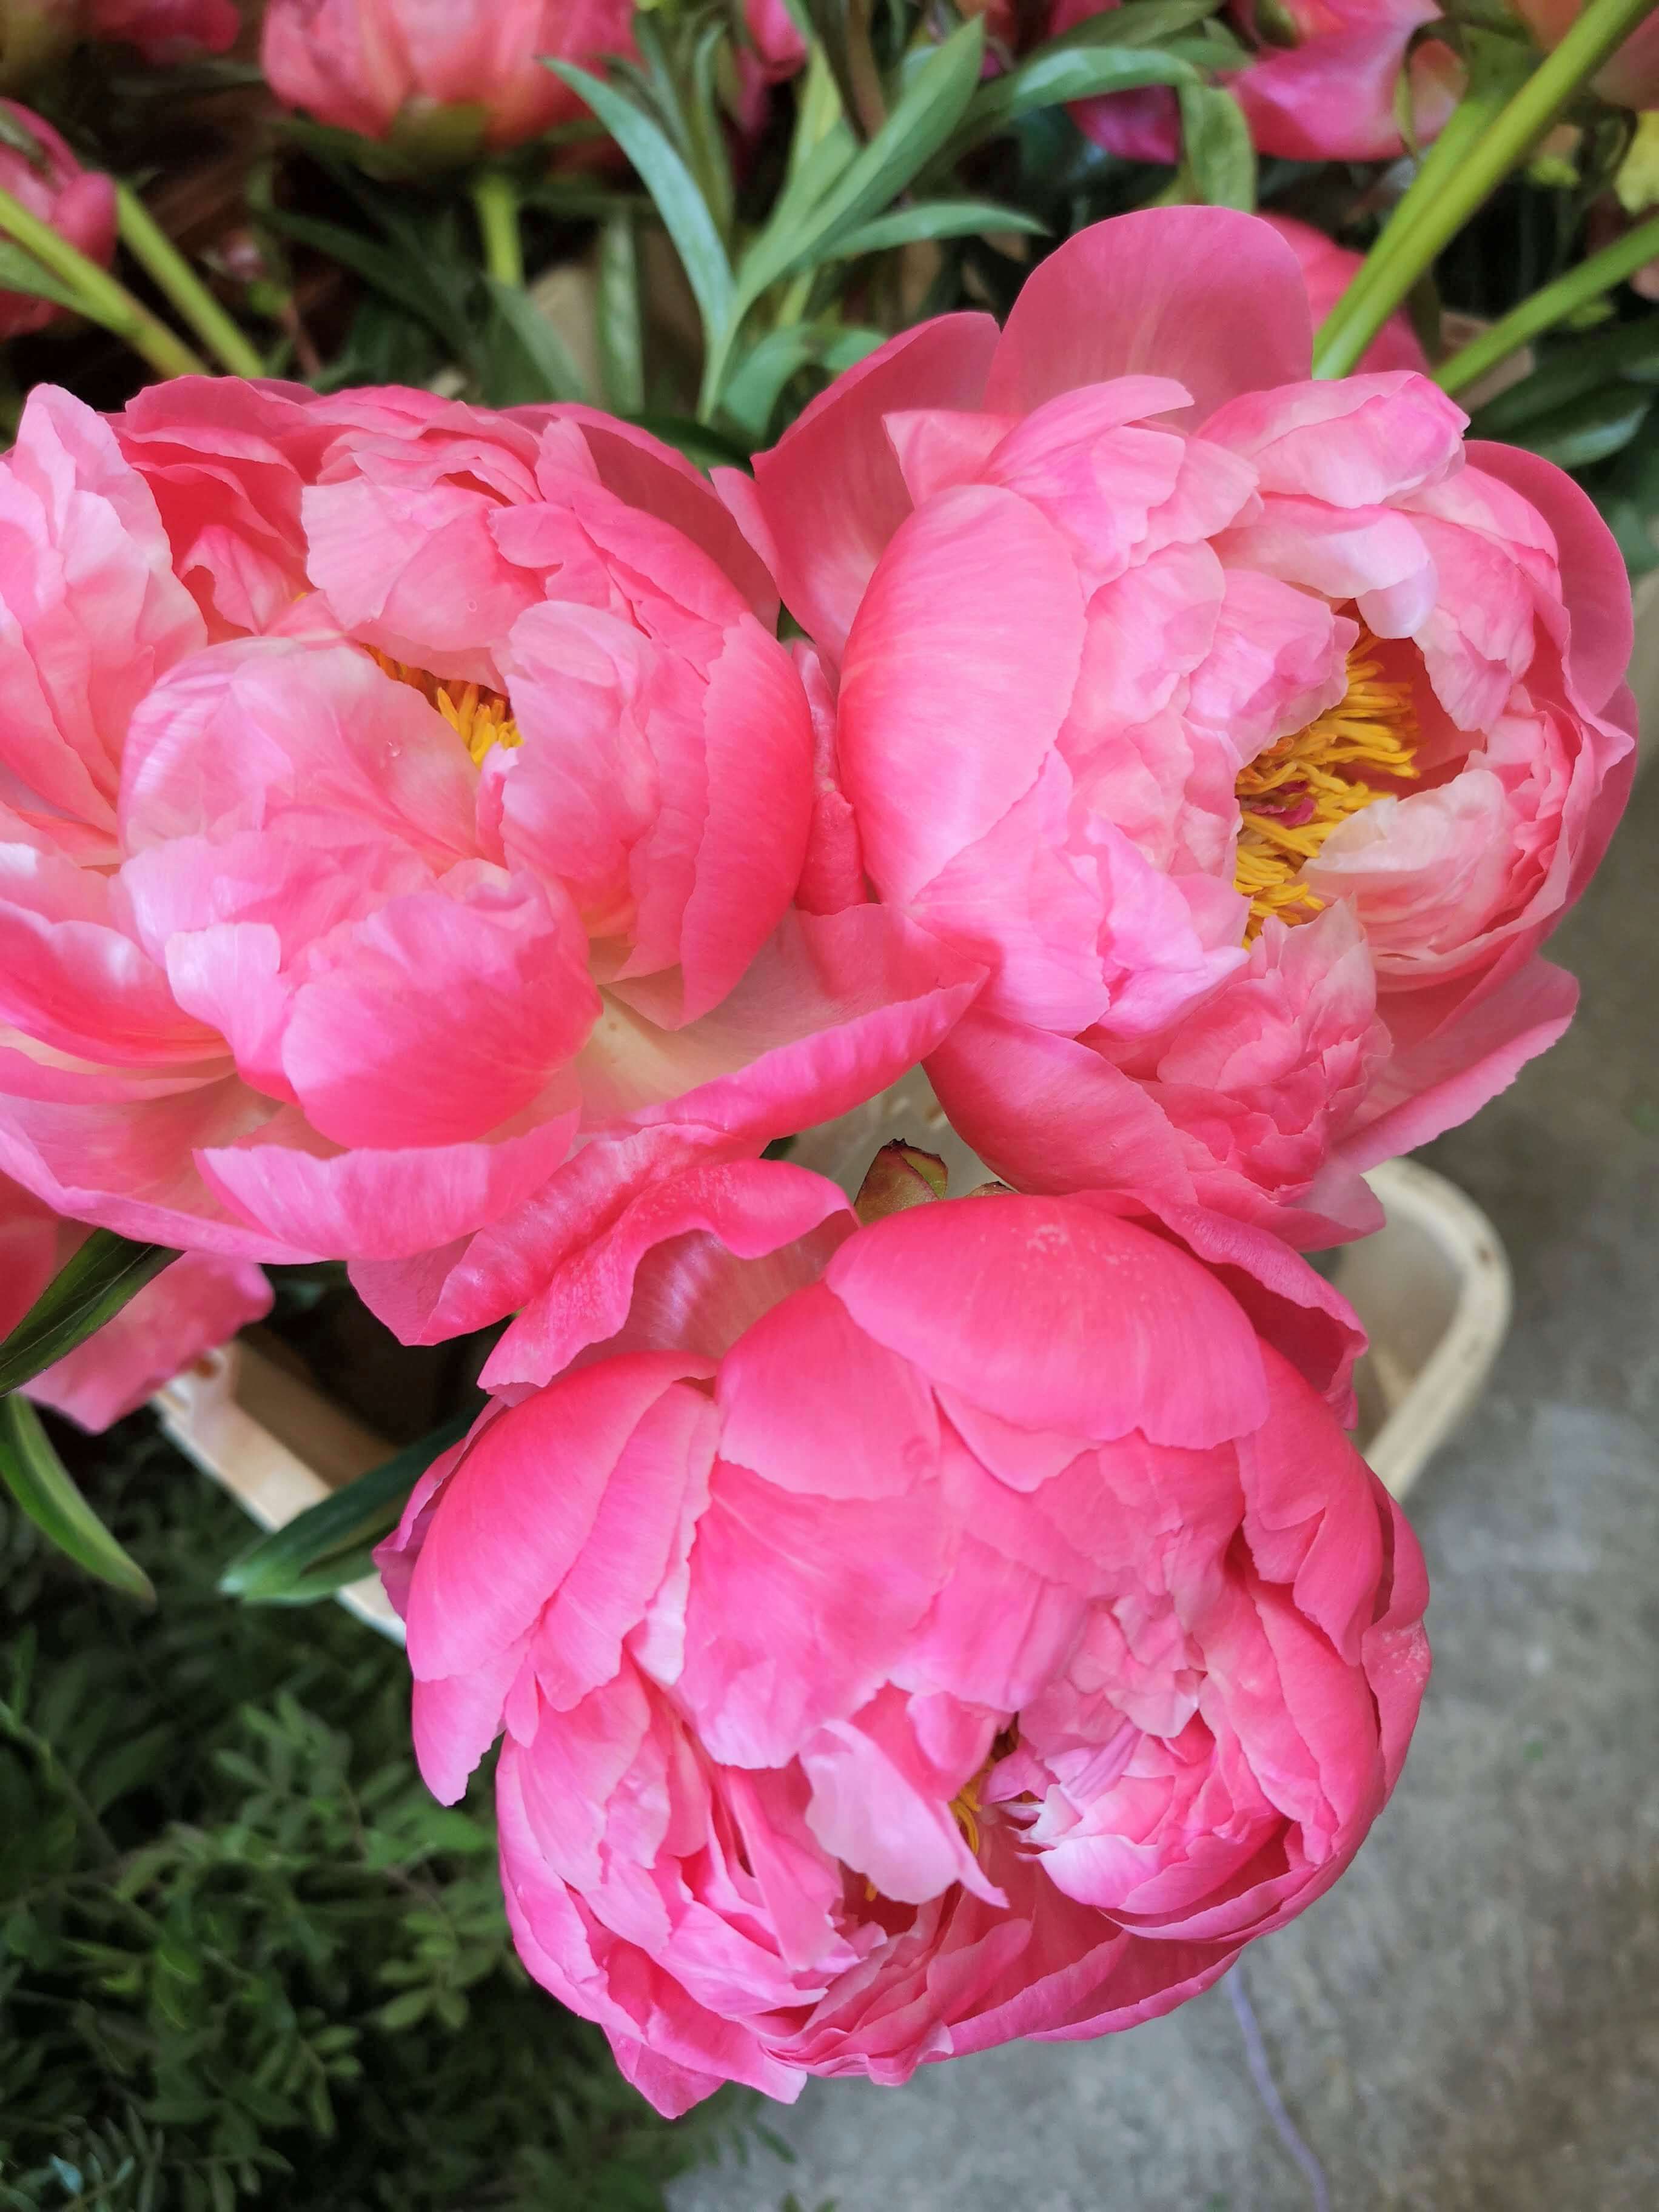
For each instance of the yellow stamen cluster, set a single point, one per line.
(1292, 796)
(480, 718)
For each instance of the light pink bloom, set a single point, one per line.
(192, 1307)
(1081, 581)
(1327, 269)
(429, 928)
(471, 68)
(79, 204)
(912, 1637)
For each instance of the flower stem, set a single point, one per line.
(1550, 306)
(155, 253)
(97, 294)
(495, 197)
(1449, 192)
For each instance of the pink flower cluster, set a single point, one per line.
(418, 849)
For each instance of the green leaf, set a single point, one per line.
(1588, 428)
(1627, 353)
(93, 1287)
(1216, 147)
(1137, 23)
(1062, 74)
(758, 380)
(621, 335)
(683, 210)
(933, 219)
(916, 130)
(327, 1545)
(705, 447)
(386, 272)
(521, 357)
(22, 272)
(45, 1491)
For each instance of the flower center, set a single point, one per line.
(1293, 795)
(480, 718)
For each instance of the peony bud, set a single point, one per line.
(79, 204)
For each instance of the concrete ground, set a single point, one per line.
(1469, 2022)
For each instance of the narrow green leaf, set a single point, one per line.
(621, 342)
(1137, 23)
(706, 448)
(1588, 428)
(916, 130)
(1053, 78)
(386, 272)
(932, 219)
(683, 210)
(1625, 352)
(95, 1285)
(333, 1536)
(45, 1491)
(22, 272)
(758, 380)
(522, 358)
(1216, 145)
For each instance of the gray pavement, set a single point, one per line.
(1470, 2020)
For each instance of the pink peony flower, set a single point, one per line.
(194, 1305)
(79, 204)
(466, 73)
(1327, 269)
(912, 1637)
(1332, 95)
(449, 905)
(1252, 730)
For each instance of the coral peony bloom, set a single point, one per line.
(1327, 269)
(195, 1305)
(1332, 95)
(459, 900)
(462, 74)
(79, 204)
(1253, 731)
(912, 1637)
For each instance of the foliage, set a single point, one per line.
(242, 1953)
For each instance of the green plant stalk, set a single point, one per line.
(1444, 197)
(495, 197)
(98, 294)
(155, 253)
(1551, 304)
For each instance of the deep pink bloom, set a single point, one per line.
(1254, 730)
(79, 204)
(194, 1304)
(166, 30)
(469, 68)
(912, 1637)
(1332, 95)
(1327, 269)
(459, 901)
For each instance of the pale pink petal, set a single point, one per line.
(192, 1307)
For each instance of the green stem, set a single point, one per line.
(97, 295)
(1447, 193)
(495, 196)
(155, 253)
(1553, 305)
